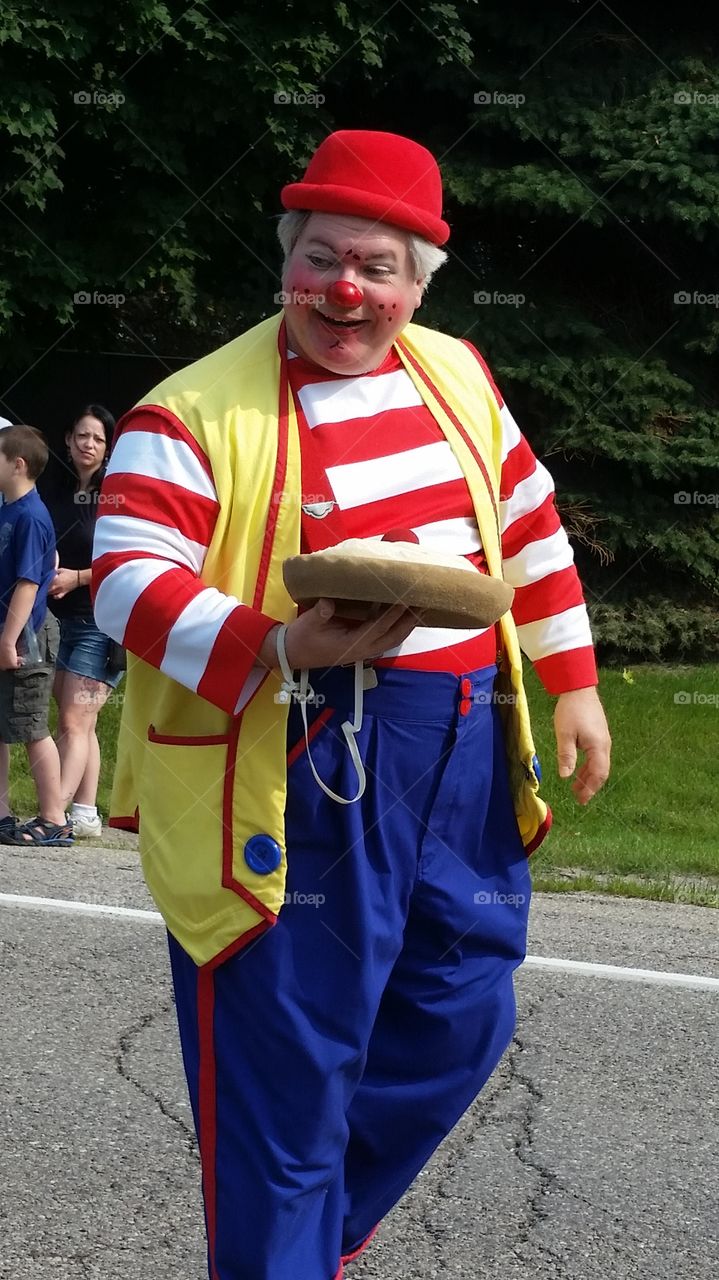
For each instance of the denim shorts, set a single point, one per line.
(84, 651)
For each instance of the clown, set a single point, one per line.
(343, 971)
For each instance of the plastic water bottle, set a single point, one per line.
(29, 645)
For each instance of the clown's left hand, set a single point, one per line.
(580, 724)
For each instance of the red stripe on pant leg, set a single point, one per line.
(350, 1257)
(207, 1090)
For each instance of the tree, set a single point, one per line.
(578, 144)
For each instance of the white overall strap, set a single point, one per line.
(304, 693)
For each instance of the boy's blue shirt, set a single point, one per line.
(27, 550)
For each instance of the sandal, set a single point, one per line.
(8, 823)
(38, 832)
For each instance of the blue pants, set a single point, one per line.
(348, 1040)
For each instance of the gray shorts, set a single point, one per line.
(25, 692)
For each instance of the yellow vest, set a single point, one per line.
(205, 782)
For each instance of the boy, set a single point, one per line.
(28, 634)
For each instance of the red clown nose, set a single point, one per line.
(342, 293)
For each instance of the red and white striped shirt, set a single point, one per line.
(389, 466)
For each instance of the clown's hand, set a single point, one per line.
(318, 638)
(581, 725)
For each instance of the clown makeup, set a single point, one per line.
(350, 290)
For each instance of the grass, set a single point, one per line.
(670, 889)
(22, 790)
(652, 831)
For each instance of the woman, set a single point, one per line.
(85, 674)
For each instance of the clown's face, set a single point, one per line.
(371, 256)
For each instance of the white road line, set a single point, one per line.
(620, 973)
(64, 906)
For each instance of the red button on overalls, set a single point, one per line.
(465, 707)
(466, 687)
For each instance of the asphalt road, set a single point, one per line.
(594, 1151)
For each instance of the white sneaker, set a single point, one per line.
(84, 826)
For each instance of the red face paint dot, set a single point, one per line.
(381, 306)
(299, 293)
(394, 306)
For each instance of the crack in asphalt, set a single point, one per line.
(522, 1125)
(124, 1046)
(523, 1140)
(548, 1182)
(441, 1238)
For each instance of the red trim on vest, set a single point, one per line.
(228, 878)
(267, 917)
(207, 1091)
(541, 833)
(214, 740)
(314, 729)
(490, 379)
(323, 531)
(239, 944)
(278, 487)
(126, 824)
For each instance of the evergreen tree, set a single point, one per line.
(145, 149)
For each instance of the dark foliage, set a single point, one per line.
(146, 145)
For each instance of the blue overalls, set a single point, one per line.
(343, 1045)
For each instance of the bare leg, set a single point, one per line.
(81, 699)
(45, 766)
(87, 790)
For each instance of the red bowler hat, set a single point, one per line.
(380, 176)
